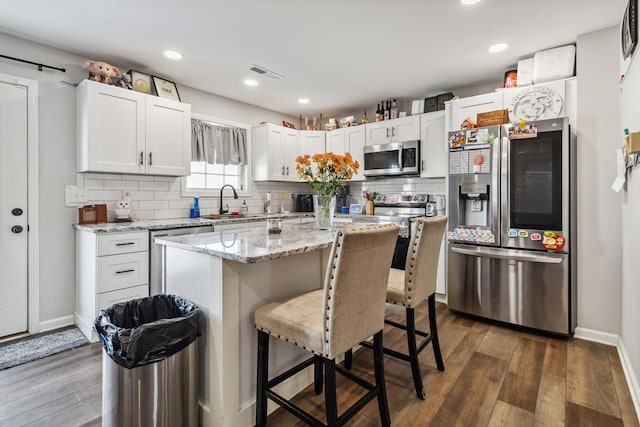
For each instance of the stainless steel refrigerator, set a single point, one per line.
(512, 233)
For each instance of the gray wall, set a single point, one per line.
(57, 161)
(629, 218)
(599, 234)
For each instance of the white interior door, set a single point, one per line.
(13, 209)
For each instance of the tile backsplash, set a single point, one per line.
(158, 197)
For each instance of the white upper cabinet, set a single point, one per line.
(335, 141)
(124, 131)
(111, 131)
(460, 109)
(351, 140)
(168, 146)
(433, 142)
(354, 138)
(274, 153)
(289, 153)
(396, 130)
(311, 142)
(537, 102)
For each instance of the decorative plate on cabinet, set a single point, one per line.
(535, 103)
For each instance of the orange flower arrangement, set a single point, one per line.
(326, 172)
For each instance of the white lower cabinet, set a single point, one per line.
(110, 268)
(109, 298)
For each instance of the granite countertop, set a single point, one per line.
(163, 224)
(256, 245)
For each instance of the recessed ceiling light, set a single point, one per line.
(251, 82)
(172, 54)
(303, 100)
(469, 2)
(498, 47)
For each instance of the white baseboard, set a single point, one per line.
(59, 322)
(86, 328)
(630, 376)
(596, 336)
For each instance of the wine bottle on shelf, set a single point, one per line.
(386, 111)
(394, 110)
(378, 113)
(381, 110)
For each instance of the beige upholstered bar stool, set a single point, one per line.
(328, 321)
(410, 288)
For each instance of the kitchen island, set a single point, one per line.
(229, 274)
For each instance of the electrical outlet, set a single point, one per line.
(74, 195)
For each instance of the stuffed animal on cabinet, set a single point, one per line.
(101, 71)
(123, 81)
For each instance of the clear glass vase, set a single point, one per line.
(323, 209)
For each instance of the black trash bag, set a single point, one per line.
(147, 330)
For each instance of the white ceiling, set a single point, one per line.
(342, 55)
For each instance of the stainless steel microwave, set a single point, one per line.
(395, 159)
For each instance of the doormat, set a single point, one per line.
(27, 349)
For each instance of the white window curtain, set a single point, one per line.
(216, 144)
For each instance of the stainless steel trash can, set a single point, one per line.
(149, 366)
(159, 394)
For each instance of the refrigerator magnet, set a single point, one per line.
(553, 241)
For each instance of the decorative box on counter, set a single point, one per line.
(92, 214)
(491, 118)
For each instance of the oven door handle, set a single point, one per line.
(511, 254)
(400, 157)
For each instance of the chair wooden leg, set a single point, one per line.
(378, 365)
(413, 353)
(348, 359)
(317, 373)
(433, 325)
(263, 378)
(331, 402)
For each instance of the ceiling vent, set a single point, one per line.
(266, 73)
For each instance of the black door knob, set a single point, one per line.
(16, 212)
(16, 229)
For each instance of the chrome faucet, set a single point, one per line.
(235, 196)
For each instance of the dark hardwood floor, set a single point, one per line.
(494, 376)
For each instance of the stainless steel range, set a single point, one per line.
(398, 209)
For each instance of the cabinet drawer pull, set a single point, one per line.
(287, 170)
(150, 158)
(393, 131)
(141, 158)
(125, 271)
(283, 170)
(125, 244)
(387, 132)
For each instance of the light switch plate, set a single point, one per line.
(74, 195)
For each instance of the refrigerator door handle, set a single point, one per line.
(511, 254)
